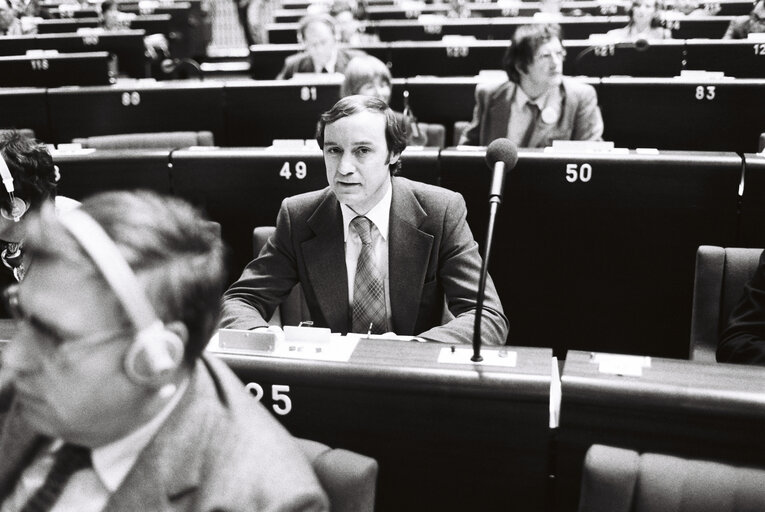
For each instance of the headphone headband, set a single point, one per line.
(112, 265)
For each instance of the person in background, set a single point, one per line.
(743, 340)
(645, 23)
(29, 180)
(537, 104)
(157, 47)
(322, 53)
(369, 76)
(374, 252)
(10, 24)
(109, 402)
(741, 27)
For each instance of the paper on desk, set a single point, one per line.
(619, 364)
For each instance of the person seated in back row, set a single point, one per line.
(538, 104)
(107, 400)
(369, 76)
(373, 251)
(322, 53)
(754, 23)
(645, 23)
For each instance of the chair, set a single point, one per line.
(721, 274)
(459, 129)
(761, 145)
(348, 478)
(435, 134)
(294, 309)
(619, 480)
(147, 140)
(26, 132)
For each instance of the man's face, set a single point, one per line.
(378, 88)
(356, 157)
(546, 69)
(643, 11)
(67, 359)
(319, 42)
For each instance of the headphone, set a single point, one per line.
(156, 352)
(18, 205)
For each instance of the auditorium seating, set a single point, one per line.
(147, 140)
(752, 205)
(54, 70)
(348, 478)
(25, 108)
(619, 480)
(721, 274)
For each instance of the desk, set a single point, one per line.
(25, 108)
(447, 437)
(92, 68)
(690, 409)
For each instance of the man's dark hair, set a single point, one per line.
(524, 45)
(395, 136)
(177, 254)
(34, 175)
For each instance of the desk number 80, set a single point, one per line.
(282, 404)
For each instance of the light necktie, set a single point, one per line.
(368, 285)
(69, 459)
(534, 109)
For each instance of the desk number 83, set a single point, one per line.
(282, 404)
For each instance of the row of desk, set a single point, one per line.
(701, 113)
(451, 435)
(668, 58)
(434, 28)
(409, 10)
(591, 251)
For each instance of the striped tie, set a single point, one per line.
(368, 286)
(69, 459)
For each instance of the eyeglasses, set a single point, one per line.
(548, 55)
(48, 339)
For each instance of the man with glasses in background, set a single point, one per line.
(107, 401)
(538, 104)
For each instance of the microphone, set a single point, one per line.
(501, 157)
(409, 116)
(640, 45)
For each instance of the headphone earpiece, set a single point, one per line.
(154, 356)
(156, 352)
(18, 208)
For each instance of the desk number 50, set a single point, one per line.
(282, 404)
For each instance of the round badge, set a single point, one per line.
(549, 115)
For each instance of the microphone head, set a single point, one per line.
(642, 44)
(502, 150)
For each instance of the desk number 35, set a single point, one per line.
(282, 404)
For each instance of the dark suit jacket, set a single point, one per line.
(303, 63)
(580, 117)
(743, 340)
(431, 251)
(218, 450)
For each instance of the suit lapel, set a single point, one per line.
(499, 109)
(542, 130)
(408, 256)
(18, 444)
(170, 467)
(324, 257)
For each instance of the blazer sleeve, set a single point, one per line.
(588, 123)
(743, 340)
(459, 272)
(472, 134)
(265, 281)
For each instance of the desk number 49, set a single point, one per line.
(300, 170)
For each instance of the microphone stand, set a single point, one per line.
(494, 202)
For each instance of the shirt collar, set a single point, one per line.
(521, 98)
(112, 462)
(379, 215)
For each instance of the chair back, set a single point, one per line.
(459, 129)
(148, 140)
(721, 274)
(294, 309)
(348, 478)
(619, 480)
(435, 134)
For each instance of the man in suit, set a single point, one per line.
(743, 340)
(538, 104)
(322, 53)
(108, 402)
(372, 250)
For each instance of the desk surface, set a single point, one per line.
(446, 436)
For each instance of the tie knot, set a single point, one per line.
(73, 457)
(363, 227)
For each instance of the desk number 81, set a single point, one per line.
(282, 404)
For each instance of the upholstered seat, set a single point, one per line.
(147, 140)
